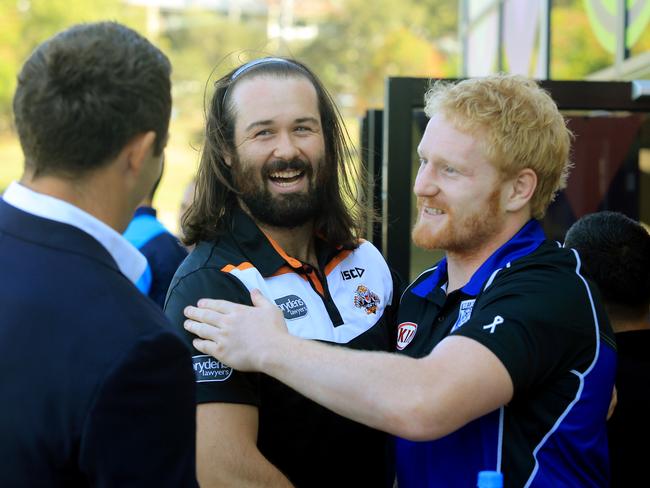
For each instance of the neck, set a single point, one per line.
(297, 242)
(92, 194)
(461, 265)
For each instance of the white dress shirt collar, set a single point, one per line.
(129, 260)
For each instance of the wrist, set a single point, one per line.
(277, 354)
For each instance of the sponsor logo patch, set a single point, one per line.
(405, 334)
(366, 300)
(464, 313)
(206, 368)
(348, 274)
(292, 306)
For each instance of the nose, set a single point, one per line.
(425, 182)
(285, 148)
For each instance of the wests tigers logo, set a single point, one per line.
(365, 299)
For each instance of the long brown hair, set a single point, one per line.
(341, 221)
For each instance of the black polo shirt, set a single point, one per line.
(531, 307)
(346, 301)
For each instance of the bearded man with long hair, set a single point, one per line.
(275, 209)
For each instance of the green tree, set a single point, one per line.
(203, 46)
(361, 44)
(26, 23)
(575, 51)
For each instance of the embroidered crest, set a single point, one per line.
(464, 313)
(365, 299)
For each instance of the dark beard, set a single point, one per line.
(290, 210)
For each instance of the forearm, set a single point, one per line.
(226, 450)
(418, 399)
(382, 390)
(250, 470)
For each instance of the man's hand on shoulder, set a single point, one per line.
(238, 335)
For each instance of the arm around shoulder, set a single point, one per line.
(419, 399)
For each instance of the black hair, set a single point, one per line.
(615, 254)
(84, 93)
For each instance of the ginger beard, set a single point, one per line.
(281, 209)
(460, 233)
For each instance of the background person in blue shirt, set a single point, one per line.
(506, 359)
(162, 249)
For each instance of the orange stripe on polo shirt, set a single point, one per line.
(292, 261)
(316, 282)
(296, 264)
(287, 269)
(336, 261)
(241, 267)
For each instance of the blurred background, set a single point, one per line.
(353, 45)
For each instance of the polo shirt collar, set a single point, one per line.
(144, 210)
(128, 259)
(258, 248)
(525, 241)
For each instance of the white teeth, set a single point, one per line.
(285, 174)
(283, 183)
(433, 211)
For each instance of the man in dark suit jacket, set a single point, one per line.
(95, 389)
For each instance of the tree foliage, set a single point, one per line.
(26, 23)
(202, 47)
(362, 43)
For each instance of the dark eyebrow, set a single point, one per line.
(302, 120)
(258, 123)
(266, 123)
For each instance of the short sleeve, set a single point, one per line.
(215, 381)
(537, 326)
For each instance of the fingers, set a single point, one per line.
(207, 347)
(220, 306)
(205, 331)
(258, 299)
(207, 315)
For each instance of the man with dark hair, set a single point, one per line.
(163, 251)
(505, 362)
(615, 253)
(97, 391)
(274, 209)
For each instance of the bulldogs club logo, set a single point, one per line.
(365, 299)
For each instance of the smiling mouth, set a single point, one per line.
(433, 211)
(286, 178)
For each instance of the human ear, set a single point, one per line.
(138, 150)
(227, 158)
(520, 189)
